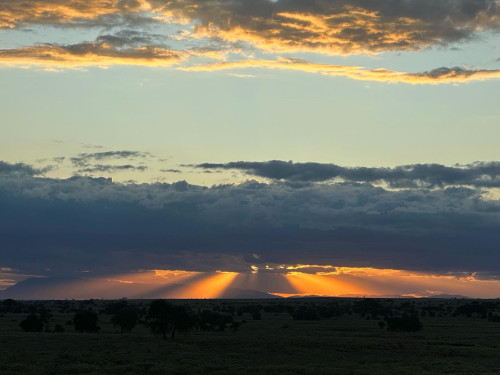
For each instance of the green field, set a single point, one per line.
(275, 344)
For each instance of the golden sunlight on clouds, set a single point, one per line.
(14, 13)
(284, 281)
(211, 286)
(222, 29)
(440, 75)
(349, 31)
(334, 28)
(389, 282)
(308, 284)
(89, 54)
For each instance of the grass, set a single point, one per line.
(274, 345)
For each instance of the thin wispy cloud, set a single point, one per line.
(439, 75)
(121, 154)
(112, 168)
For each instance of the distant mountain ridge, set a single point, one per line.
(87, 288)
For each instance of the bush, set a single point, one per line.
(214, 321)
(85, 321)
(256, 315)
(33, 323)
(127, 318)
(58, 328)
(305, 313)
(164, 317)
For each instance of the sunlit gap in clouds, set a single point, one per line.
(278, 281)
(210, 286)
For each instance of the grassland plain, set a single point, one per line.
(275, 344)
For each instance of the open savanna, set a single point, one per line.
(274, 344)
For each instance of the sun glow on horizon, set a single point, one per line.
(281, 280)
(211, 286)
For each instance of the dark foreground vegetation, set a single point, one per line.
(282, 336)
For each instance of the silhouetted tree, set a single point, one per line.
(32, 323)
(475, 308)
(305, 313)
(45, 315)
(11, 306)
(86, 321)
(213, 321)
(369, 307)
(126, 317)
(235, 326)
(113, 307)
(256, 315)
(164, 317)
(58, 328)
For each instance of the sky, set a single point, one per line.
(217, 148)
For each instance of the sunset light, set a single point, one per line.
(250, 187)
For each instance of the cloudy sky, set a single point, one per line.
(290, 147)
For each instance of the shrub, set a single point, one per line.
(86, 321)
(164, 317)
(58, 328)
(33, 323)
(127, 318)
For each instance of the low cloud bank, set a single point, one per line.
(83, 223)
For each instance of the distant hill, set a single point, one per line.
(374, 296)
(66, 288)
(449, 296)
(233, 293)
(87, 288)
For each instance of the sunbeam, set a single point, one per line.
(211, 286)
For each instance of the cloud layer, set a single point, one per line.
(480, 174)
(332, 27)
(93, 224)
(158, 33)
(89, 54)
(345, 26)
(439, 75)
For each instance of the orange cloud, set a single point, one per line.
(342, 27)
(89, 54)
(331, 27)
(352, 30)
(440, 75)
(61, 12)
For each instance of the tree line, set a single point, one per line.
(166, 318)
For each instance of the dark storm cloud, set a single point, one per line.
(480, 174)
(22, 168)
(17, 168)
(88, 223)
